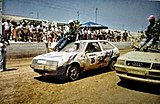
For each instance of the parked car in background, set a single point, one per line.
(75, 58)
(140, 66)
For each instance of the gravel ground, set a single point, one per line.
(20, 85)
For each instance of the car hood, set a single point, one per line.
(141, 57)
(56, 56)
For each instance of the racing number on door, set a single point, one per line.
(93, 60)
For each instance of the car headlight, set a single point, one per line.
(120, 62)
(51, 63)
(34, 61)
(156, 66)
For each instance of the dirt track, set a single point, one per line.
(23, 86)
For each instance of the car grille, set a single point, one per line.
(156, 66)
(138, 64)
(156, 74)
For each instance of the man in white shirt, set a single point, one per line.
(7, 30)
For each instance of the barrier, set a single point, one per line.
(123, 45)
(25, 50)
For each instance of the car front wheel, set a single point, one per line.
(112, 63)
(72, 73)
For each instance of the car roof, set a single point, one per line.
(91, 41)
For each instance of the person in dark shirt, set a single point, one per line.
(3, 51)
(69, 37)
(152, 34)
(125, 35)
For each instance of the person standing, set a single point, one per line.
(125, 35)
(6, 30)
(3, 51)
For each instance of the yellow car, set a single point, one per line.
(139, 66)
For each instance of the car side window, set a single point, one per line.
(106, 46)
(93, 47)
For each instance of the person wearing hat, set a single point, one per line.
(69, 37)
(151, 34)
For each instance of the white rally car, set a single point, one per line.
(75, 58)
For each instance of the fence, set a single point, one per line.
(25, 50)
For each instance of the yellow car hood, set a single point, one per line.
(148, 57)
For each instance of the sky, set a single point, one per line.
(116, 14)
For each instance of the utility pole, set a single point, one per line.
(96, 15)
(1, 16)
(142, 29)
(31, 14)
(37, 15)
(123, 26)
(78, 15)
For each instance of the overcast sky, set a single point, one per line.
(117, 14)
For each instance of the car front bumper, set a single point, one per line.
(138, 74)
(49, 70)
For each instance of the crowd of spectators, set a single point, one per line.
(110, 35)
(30, 32)
(26, 31)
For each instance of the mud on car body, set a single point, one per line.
(75, 58)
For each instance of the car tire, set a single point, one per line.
(112, 63)
(72, 73)
(123, 79)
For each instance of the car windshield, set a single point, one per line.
(74, 47)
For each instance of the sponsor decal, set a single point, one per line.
(107, 54)
(71, 58)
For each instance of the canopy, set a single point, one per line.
(94, 25)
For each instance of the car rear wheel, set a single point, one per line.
(112, 63)
(72, 73)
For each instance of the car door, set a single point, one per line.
(107, 52)
(92, 52)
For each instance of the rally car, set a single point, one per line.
(75, 58)
(140, 66)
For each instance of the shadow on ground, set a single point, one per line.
(82, 76)
(9, 70)
(50, 80)
(95, 72)
(141, 87)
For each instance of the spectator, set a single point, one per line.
(14, 33)
(85, 33)
(118, 36)
(125, 35)
(109, 35)
(40, 33)
(7, 30)
(25, 33)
